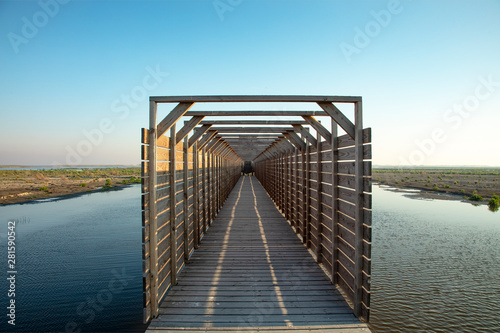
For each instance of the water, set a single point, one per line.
(436, 266)
(78, 264)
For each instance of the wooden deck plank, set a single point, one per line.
(252, 273)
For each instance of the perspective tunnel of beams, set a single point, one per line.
(340, 187)
(265, 135)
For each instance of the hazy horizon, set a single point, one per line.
(77, 74)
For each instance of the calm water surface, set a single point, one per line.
(78, 264)
(436, 265)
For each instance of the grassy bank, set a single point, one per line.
(475, 184)
(18, 186)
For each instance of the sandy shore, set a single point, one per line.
(18, 186)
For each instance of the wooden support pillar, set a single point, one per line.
(335, 204)
(196, 196)
(303, 194)
(204, 189)
(319, 188)
(307, 227)
(358, 226)
(209, 194)
(153, 228)
(173, 222)
(185, 204)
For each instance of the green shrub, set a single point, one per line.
(44, 188)
(435, 188)
(475, 197)
(108, 182)
(83, 184)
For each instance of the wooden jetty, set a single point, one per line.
(286, 249)
(252, 273)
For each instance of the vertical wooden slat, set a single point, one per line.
(173, 201)
(335, 203)
(307, 220)
(358, 275)
(153, 229)
(196, 195)
(304, 195)
(186, 205)
(319, 201)
(210, 182)
(204, 189)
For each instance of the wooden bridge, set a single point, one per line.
(285, 249)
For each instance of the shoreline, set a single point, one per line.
(411, 193)
(67, 196)
(24, 186)
(474, 186)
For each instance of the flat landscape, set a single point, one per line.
(17, 186)
(473, 182)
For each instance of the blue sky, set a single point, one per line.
(428, 71)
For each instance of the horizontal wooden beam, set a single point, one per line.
(252, 129)
(256, 113)
(254, 122)
(250, 136)
(254, 98)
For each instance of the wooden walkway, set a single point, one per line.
(251, 273)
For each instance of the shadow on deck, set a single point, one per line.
(252, 273)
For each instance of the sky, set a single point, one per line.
(75, 76)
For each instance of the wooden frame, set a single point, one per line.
(321, 183)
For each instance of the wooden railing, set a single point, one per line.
(328, 204)
(204, 176)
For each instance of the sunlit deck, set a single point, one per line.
(252, 273)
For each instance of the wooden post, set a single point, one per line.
(210, 180)
(358, 226)
(303, 193)
(186, 206)
(173, 222)
(153, 228)
(335, 203)
(307, 229)
(319, 188)
(196, 195)
(204, 189)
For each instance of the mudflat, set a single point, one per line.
(461, 182)
(17, 186)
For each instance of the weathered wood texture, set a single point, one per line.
(251, 273)
(301, 183)
(184, 203)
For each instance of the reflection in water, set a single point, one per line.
(436, 266)
(78, 263)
